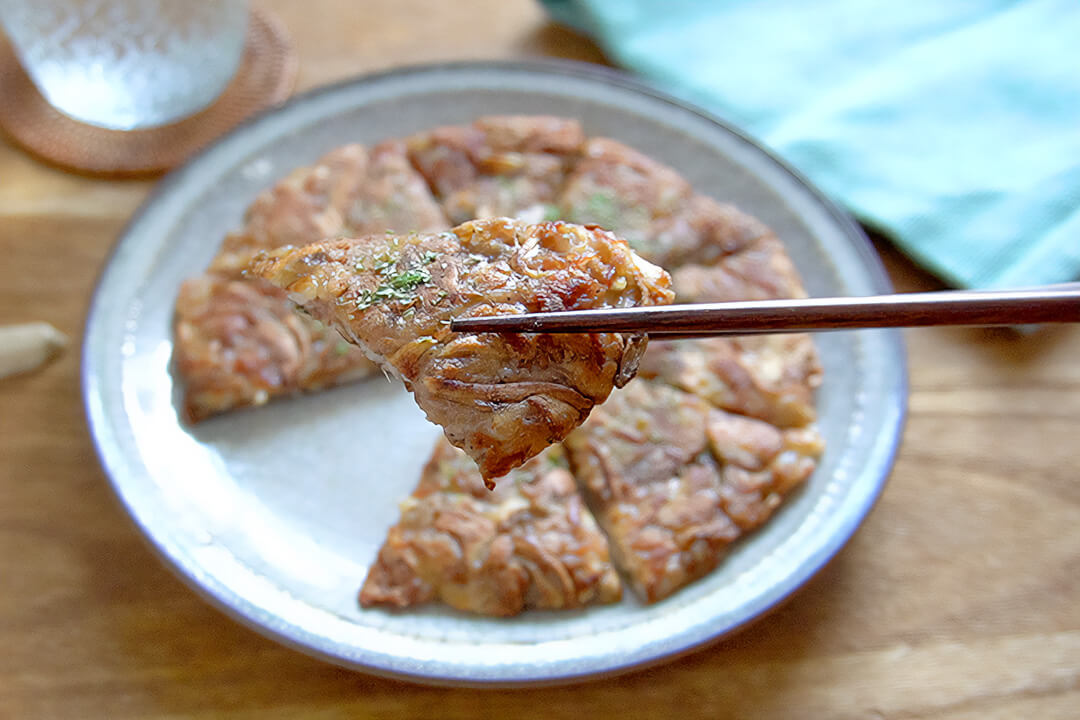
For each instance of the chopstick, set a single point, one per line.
(1048, 304)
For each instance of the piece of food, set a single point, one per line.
(305, 205)
(499, 166)
(239, 343)
(500, 397)
(760, 270)
(653, 207)
(770, 377)
(625, 191)
(674, 481)
(27, 346)
(350, 191)
(529, 543)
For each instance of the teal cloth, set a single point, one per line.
(953, 126)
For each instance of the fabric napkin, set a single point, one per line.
(953, 127)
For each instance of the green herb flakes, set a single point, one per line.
(399, 287)
(385, 264)
(410, 280)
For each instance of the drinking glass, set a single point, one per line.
(128, 64)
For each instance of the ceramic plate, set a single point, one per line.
(275, 513)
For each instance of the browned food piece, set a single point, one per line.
(761, 270)
(529, 543)
(391, 196)
(771, 377)
(621, 189)
(350, 191)
(241, 343)
(237, 345)
(500, 397)
(305, 205)
(703, 231)
(674, 482)
(498, 166)
(760, 464)
(653, 207)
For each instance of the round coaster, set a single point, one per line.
(265, 77)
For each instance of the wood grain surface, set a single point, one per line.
(958, 599)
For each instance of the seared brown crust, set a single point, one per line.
(709, 469)
(529, 543)
(308, 203)
(350, 191)
(760, 270)
(654, 208)
(500, 166)
(674, 482)
(770, 377)
(621, 189)
(391, 197)
(500, 397)
(240, 343)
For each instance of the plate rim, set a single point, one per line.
(885, 446)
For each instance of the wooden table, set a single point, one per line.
(958, 598)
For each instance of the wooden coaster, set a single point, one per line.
(265, 77)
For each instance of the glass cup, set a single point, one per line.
(128, 64)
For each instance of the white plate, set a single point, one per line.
(275, 513)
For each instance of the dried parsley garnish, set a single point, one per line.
(410, 280)
(385, 264)
(397, 287)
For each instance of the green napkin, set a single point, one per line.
(951, 126)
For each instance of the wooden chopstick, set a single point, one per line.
(1049, 304)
